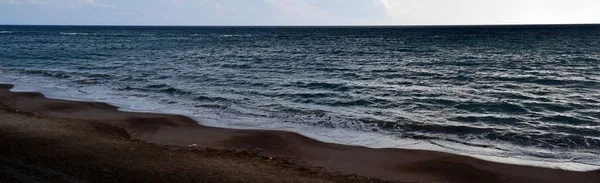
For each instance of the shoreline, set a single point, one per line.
(349, 137)
(387, 164)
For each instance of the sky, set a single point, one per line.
(298, 12)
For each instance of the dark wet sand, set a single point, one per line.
(45, 138)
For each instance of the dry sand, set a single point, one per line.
(48, 139)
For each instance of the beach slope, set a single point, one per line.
(70, 141)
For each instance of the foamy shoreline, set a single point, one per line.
(347, 137)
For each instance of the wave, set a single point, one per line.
(7, 32)
(487, 119)
(464, 134)
(210, 99)
(236, 66)
(366, 102)
(568, 120)
(73, 75)
(497, 107)
(76, 33)
(49, 73)
(513, 95)
(322, 85)
(160, 88)
(236, 35)
(545, 81)
(544, 106)
(587, 59)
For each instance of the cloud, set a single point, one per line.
(398, 7)
(491, 11)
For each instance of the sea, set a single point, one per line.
(525, 94)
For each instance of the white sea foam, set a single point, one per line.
(504, 153)
(237, 35)
(75, 33)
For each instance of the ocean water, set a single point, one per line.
(517, 94)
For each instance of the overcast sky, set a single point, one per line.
(298, 12)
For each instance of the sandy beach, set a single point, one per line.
(50, 140)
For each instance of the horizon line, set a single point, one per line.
(407, 25)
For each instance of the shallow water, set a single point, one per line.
(508, 91)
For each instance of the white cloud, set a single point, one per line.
(398, 7)
(491, 11)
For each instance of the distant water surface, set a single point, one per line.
(509, 91)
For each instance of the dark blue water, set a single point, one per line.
(507, 91)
